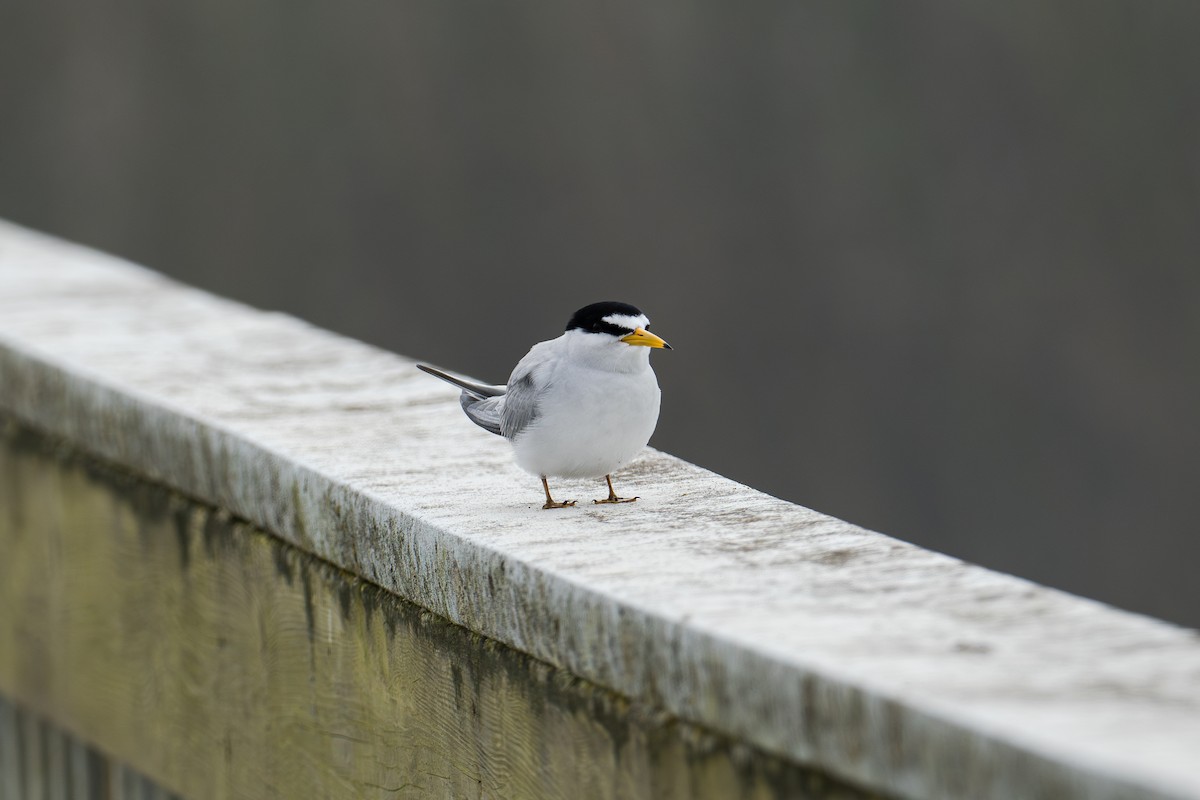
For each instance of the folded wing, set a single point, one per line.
(481, 402)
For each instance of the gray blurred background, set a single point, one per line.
(928, 266)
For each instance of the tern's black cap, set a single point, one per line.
(591, 318)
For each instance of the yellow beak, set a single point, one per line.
(646, 339)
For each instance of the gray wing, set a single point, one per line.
(532, 375)
(507, 410)
(520, 403)
(484, 413)
(480, 401)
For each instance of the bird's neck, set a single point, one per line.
(609, 357)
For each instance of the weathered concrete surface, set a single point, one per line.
(225, 663)
(896, 668)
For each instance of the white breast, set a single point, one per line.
(590, 423)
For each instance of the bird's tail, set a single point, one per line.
(480, 401)
(480, 391)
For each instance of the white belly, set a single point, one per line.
(590, 428)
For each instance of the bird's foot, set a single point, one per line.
(612, 494)
(550, 501)
(614, 499)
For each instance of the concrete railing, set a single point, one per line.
(241, 556)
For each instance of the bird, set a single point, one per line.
(579, 406)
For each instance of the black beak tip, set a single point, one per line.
(667, 346)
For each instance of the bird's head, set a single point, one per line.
(613, 324)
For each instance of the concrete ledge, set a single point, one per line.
(218, 661)
(894, 668)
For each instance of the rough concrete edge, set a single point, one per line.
(130, 486)
(204, 460)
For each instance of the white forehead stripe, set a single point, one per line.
(627, 321)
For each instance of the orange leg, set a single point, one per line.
(612, 495)
(550, 500)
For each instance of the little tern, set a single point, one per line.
(579, 406)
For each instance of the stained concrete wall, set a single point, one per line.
(223, 662)
(810, 650)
